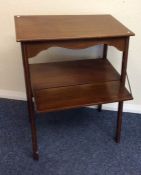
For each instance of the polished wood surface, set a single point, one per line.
(58, 86)
(123, 79)
(56, 27)
(81, 95)
(69, 84)
(33, 48)
(70, 73)
(31, 107)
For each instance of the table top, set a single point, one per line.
(63, 27)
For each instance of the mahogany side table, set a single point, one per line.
(71, 84)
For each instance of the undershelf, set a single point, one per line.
(71, 84)
(68, 73)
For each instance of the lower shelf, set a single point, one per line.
(80, 95)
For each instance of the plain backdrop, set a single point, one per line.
(11, 69)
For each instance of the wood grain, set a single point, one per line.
(33, 48)
(70, 73)
(81, 95)
(70, 84)
(56, 27)
(58, 86)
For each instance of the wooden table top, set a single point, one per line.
(63, 27)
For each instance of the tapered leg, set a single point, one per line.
(122, 79)
(29, 116)
(30, 102)
(33, 129)
(99, 108)
(34, 137)
(105, 49)
(119, 122)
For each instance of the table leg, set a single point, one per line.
(34, 136)
(99, 108)
(30, 102)
(105, 49)
(123, 77)
(119, 122)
